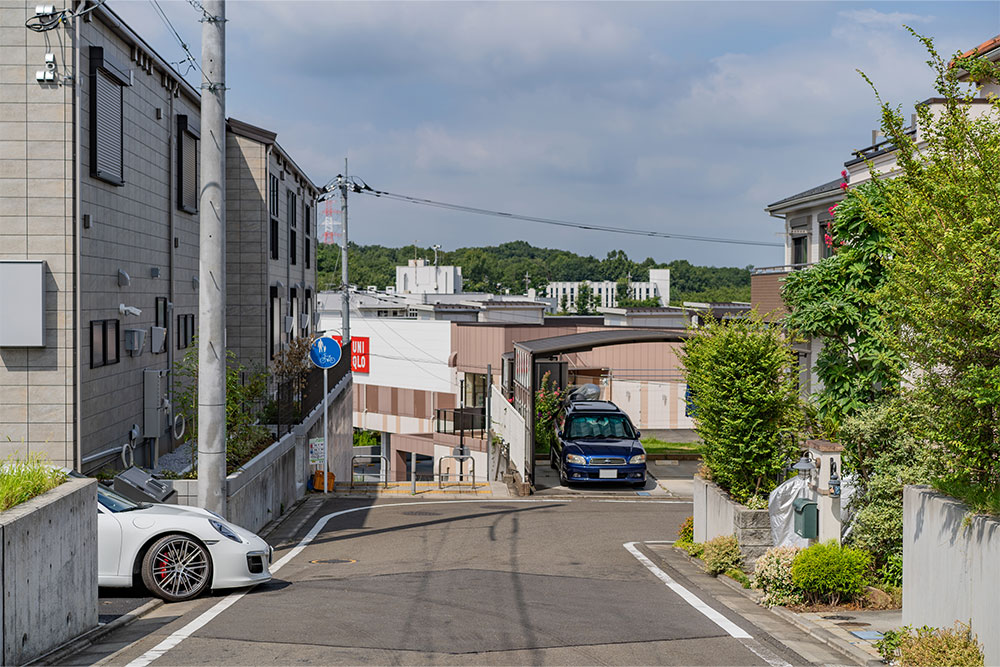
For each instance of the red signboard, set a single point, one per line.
(359, 353)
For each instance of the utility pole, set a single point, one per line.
(527, 282)
(346, 333)
(212, 263)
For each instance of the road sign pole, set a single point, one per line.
(326, 430)
(413, 472)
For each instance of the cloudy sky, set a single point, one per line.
(684, 117)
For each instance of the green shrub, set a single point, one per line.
(23, 479)
(931, 647)
(773, 575)
(743, 386)
(891, 574)
(740, 576)
(722, 553)
(686, 532)
(694, 549)
(831, 573)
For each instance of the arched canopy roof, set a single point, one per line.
(582, 342)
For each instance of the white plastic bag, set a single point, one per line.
(782, 514)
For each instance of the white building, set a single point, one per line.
(605, 292)
(419, 277)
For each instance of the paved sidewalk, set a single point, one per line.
(851, 634)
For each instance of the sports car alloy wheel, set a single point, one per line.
(176, 568)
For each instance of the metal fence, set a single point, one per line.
(293, 399)
(470, 421)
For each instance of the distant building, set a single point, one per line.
(605, 292)
(419, 277)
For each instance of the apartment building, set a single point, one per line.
(270, 245)
(99, 238)
(605, 292)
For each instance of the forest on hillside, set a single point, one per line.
(503, 267)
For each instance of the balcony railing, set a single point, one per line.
(468, 421)
(784, 268)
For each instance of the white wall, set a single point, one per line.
(509, 425)
(410, 354)
(428, 279)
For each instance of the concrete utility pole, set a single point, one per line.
(346, 339)
(212, 263)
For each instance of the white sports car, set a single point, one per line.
(178, 550)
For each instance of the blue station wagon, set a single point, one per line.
(598, 443)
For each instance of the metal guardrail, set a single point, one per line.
(784, 268)
(460, 475)
(385, 468)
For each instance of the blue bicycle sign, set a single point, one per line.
(325, 352)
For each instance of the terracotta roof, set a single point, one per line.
(982, 49)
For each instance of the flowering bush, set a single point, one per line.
(773, 575)
(548, 409)
(686, 532)
(722, 554)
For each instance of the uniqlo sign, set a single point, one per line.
(359, 353)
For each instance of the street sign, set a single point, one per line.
(317, 451)
(325, 352)
(360, 355)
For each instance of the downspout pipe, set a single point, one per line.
(171, 289)
(77, 241)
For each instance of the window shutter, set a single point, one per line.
(108, 127)
(190, 172)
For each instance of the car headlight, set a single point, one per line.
(225, 531)
(638, 458)
(576, 459)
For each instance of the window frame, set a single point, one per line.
(273, 195)
(292, 247)
(103, 66)
(185, 128)
(275, 232)
(185, 330)
(104, 326)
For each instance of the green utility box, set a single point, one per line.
(806, 518)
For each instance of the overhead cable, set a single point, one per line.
(359, 186)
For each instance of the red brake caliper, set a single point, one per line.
(164, 562)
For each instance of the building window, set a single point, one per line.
(273, 196)
(307, 219)
(103, 343)
(107, 85)
(185, 331)
(475, 390)
(799, 249)
(187, 165)
(161, 311)
(275, 313)
(292, 209)
(308, 254)
(292, 246)
(293, 296)
(305, 311)
(274, 238)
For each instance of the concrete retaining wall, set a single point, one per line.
(263, 488)
(49, 582)
(715, 514)
(950, 567)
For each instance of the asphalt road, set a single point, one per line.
(478, 582)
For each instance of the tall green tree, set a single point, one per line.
(584, 297)
(742, 382)
(837, 300)
(943, 286)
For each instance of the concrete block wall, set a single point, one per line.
(716, 514)
(49, 581)
(950, 568)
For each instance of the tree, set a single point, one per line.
(584, 296)
(837, 300)
(564, 304)
(943, 284)
(621, 292)
(741, 374)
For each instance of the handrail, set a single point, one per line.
(781, 268)
(385, 468)
(459, 459)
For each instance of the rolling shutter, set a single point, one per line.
(189, 171)
(107, 127)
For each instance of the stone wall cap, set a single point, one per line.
(824, 446)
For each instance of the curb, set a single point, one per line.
(849, 651)
(77, 644)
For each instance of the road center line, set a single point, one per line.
(731, 628)
(183, 633)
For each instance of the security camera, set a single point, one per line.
(129, 310)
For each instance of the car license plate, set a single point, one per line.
(608, 474)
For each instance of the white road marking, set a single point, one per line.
(183, 633)
(731, 628)
(651, 502)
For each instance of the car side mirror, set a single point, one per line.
(638, 434)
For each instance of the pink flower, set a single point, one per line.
(832, 210)
(843, 173)
(843, 186)
(829, 240)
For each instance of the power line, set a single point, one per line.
(363, 188)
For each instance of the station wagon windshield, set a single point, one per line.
(600, 426)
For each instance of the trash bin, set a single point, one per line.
(806, 518)
(317, 480)
(140, 486)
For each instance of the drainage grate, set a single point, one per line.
(838, 617)
(421, 513)
(333, 561)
